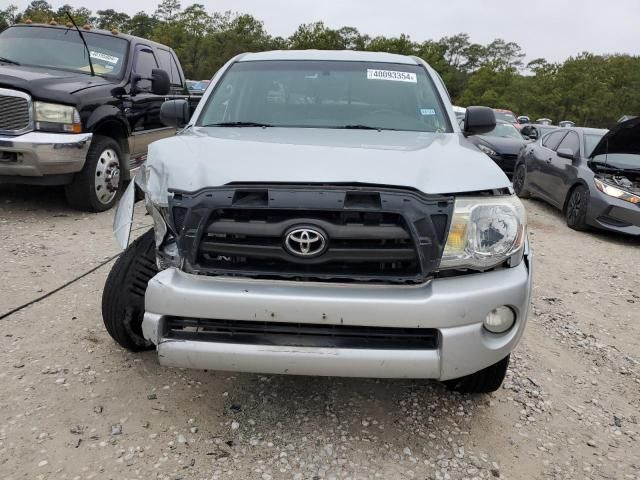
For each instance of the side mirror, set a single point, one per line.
(175, 113)
(160, 82)
(478, 120)
(566, 153)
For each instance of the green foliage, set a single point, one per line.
(592, 90)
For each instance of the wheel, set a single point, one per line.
(519, 181)
(485, 381)
(97, 186)
(124, 290)
(576, 209)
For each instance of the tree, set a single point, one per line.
(167, 10)
(38, 11)
(8, 17)
(141, 25)
(108, 19)
(318, 36)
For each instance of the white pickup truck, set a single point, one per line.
(322, 213)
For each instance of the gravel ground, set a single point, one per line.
(73, 405)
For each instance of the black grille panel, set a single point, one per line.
(383, 236)
(14, 113)
(362, 243)
(300, 334)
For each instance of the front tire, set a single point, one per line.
(520, 180)
(97, 186)
(576, 209)
(124, 290)
(486, 380)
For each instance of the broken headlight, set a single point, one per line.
(167, 253)
(615, 192)
(485, 232)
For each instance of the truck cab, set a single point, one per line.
(79, 107)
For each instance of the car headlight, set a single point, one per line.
(52, 117)
(616, 192)
(489, 151)
(485, 232)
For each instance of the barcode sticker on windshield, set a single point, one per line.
(104, 57)
(392, 75)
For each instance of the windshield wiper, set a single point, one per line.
(238, 124)
(86, 47)
(8, 60)
(357, 126)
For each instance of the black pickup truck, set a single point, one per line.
(79, 106)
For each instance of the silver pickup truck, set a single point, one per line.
(322, 213)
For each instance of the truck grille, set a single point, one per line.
(370, 236)
(300, 334)
(15, 112)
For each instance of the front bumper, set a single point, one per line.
(455, 306)
(613, 214)
(36, 154)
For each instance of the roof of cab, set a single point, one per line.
(329, 55)
(98, 31)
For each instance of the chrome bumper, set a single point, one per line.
(36, 154)
(455, 306)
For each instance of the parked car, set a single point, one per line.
(592, 175)
(459, 111)
(81, 116)
(544, 121)
(201, 86)
(333, 225)
(502, 144)
(523, 120)
(505, 115)
(535, 131)
(566, 124)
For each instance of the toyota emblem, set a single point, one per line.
(305, 242)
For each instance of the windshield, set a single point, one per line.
(504, 130)
(62, 48)
(327, 94)
(590, 142)
(505, 116)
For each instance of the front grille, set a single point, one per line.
(15, 112)
(300, 334)
(361, 243)
(372, 236)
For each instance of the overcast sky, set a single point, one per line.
(553, 29)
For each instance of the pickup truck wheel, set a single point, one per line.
(96, 187)
(519, 181)
(485, 381)
(124, 290)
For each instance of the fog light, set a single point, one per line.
(500, 319)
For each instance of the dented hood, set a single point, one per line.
(210, 157)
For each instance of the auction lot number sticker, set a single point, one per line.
(391, 75)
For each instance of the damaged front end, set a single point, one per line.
(167, 254)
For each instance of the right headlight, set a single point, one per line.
(616, 192)
(485, 232)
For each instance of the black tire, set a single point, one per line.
(98, 185)
(124, 290)
(575, 211)
(485, 381)
(520, 180)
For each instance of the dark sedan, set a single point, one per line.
(502, 144)
(592, 175)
